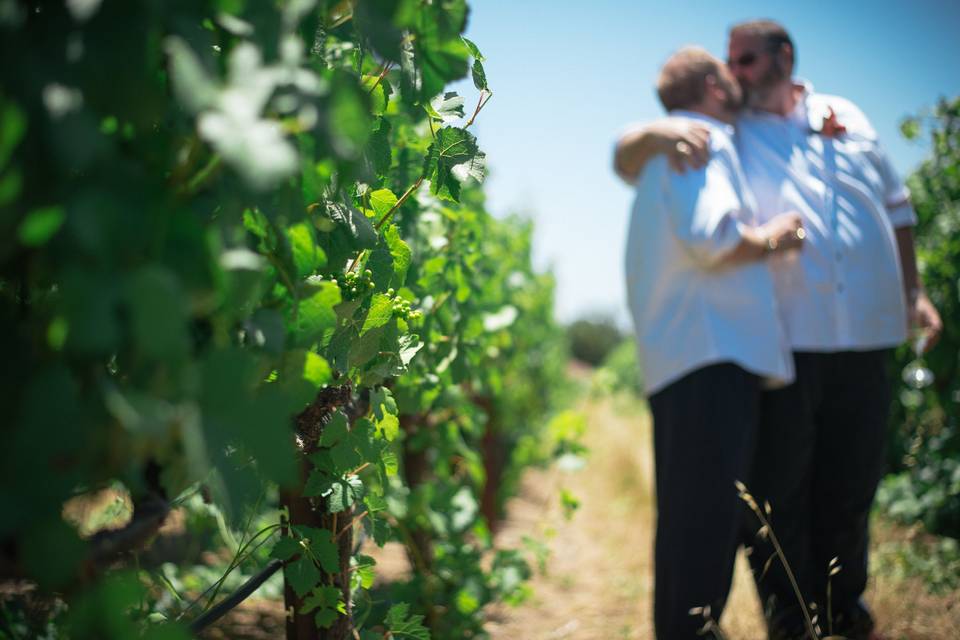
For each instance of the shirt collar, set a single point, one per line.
(799, 115)
(702, 117)
(801, 112)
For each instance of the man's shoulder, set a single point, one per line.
(848, 113)
(721, 145)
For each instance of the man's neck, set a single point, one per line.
(782, 99)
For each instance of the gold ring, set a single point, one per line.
(683, 147)
(801, 234)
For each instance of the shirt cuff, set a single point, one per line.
(728, 240)
(902, 215)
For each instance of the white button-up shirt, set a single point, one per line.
(688, 309)
(844, 290)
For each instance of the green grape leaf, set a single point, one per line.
(335, 430)
(339, 347)
(390, 261)
(349, 117)
(404, 625)
(382, 201)
(256, 223)
(157, 313)
(315, 313)
(479, 76)
(357, 227)
(375, 503)
(365, 567)
(319, 481)
(344, 492)
(382, 403)
(90, 306)
(385, 412)
(390, 463)
(452, 158)
(346, 455)
(389, 426)
(377, 528)
(375, 19)
(40, 225)
(446, 107)
(265, 330)
(317, 370)
(328, 604)
(474, 50)
(13, 124)
(307, 256)
(378, 147)
(323, 546)
(400, 252)
(440, 62)
(409, 346)
(380, 313)
(366, 347)
(302, 575)
(285, 548)
(10, 184)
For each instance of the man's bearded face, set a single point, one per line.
(757, 69)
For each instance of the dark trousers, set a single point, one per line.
(704, 429)
(819, 458)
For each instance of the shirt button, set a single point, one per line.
(840, 288)
(839, 256)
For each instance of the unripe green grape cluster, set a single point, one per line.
(401, 307)
(354, 285)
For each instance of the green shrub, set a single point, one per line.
(592, 339)
(924, 435)
(620, 372)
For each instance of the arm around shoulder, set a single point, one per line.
(686, 144)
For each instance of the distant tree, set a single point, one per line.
(592, 339)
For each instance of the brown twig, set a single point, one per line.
(352, 522)
(386, 217)
(359, 469)
(402, 199)
(383, 74)
(481, 103)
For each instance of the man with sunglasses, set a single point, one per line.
(846, 298)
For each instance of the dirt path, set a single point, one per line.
(598, 574)
(598, 579)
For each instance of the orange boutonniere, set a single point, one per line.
(830, 127)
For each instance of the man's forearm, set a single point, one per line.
(921, 314)
(633, 152)
(752, 247)
(908, 264)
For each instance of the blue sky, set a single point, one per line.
(567, 76)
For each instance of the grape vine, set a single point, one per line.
(210, 285)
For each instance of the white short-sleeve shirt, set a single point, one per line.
(844, 290)
(688, 309)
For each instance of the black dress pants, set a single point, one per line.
(704, 432)
(820, 455)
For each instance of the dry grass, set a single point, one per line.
(599, 574)
(598, 583)
(904, 607)
(598, 579)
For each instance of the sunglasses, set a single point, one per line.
(745, 60)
